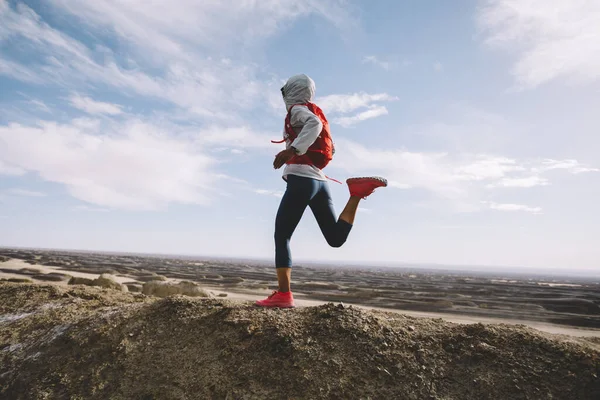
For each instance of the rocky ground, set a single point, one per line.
(80, 342)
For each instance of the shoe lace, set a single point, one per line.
(273, 294)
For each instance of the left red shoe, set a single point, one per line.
(363, 187)
(278, 299)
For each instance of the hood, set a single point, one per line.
(299, 89)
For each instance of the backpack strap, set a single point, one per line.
(288, 122)
(334, 180)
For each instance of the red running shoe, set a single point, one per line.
(278, 299)
(363, 187)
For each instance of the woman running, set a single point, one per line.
(309, 149)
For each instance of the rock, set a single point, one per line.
(165, 289)
(107, 281)
(19, 280)
(443, 304)
(411, 328)
(151, 278)
(232, 281)
(482, 346)
(81, 281)
(30, 271)
(52, 277)
(134, 287)
(53, 264)
(222, 295)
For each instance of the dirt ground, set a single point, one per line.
(78, 342)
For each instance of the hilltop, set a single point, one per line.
(79, 342)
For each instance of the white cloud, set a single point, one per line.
(166, 39)
(373, 112)
(6, 169)
(18, 71)
(232, 179)
(40, 104)
(459, 179)
(552, 38)
(485, 167)
(91, 209)
(185, 85)
(513, 207)
(25, 192)
(91, 106)
(376, 61)
(346, 103)
(365, 210)
(236, 138)
(435, 172)
(276, 193)
(180, 25)
(528, 182)
(388, 64)
(438, 66)
(572, 166)
(129, 165)
(584, 169)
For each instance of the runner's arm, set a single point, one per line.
(311, 128)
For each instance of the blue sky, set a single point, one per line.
(130, 126)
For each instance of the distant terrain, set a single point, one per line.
(568, 302)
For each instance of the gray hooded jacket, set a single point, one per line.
(300, 89)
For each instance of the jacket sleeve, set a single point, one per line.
(311, 128)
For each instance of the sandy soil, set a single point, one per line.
(17, 265)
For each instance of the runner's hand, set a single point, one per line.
(283, 157)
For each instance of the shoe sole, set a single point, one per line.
(256, 305)
(377, 178)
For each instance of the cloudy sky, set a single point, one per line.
(146, 126)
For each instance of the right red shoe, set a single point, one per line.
(363, 187)
(277, 299)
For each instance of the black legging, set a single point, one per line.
(300, 193)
